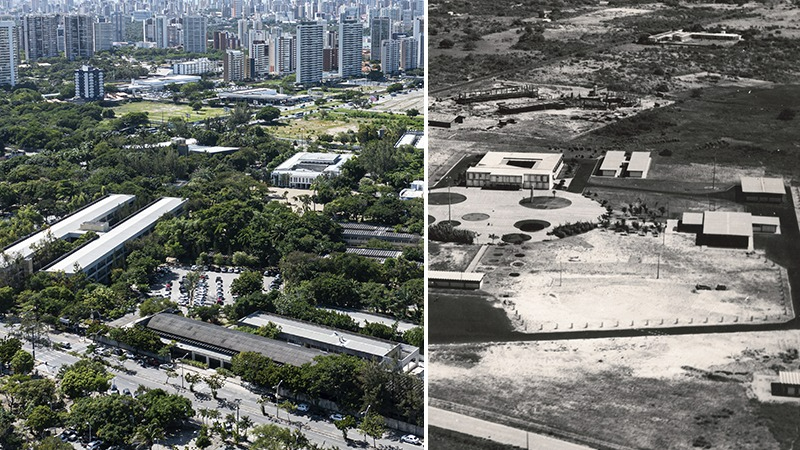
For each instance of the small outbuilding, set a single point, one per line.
(788, 384)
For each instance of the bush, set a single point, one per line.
(446, 43)
(787, 114)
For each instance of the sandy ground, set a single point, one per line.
(650, 356)
(291, 198)
(604, 281)
(400, 103)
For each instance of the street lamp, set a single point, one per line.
(277, 408)
(90, 431)
(180, 361)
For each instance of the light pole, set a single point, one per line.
(277, 408)
(90, 431)
(180, 361)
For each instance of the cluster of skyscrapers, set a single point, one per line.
(270, 37)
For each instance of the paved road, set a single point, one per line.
(496, 432)
(318, 430)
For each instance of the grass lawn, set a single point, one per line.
(159, 111)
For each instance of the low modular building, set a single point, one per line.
(454, 280)
(788, 384)
(514, 170)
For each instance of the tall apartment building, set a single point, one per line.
(161, 31)
(390, 56)
(8, 53)
(40, 37)
(408, 54)
(419, 35)
(260, 56)
(89, 83)
(380, 29)
(310, 36)
(350, 38)
(233, 66)
(281, 54)
(194, 34)
(119, 19)
(78, 37)
(103, 36)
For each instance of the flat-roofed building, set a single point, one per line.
(70, 227)
(454, 280)
(516, 170)
(727, 229)
(97, 258)
(303, 168)
(763, 190)
(620, 164)
(788, 384)
(691, 222)
(377, 254)
(216, 345)
(332, 340)
(360, 233)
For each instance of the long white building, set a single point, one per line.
(516, 170)
(303, 168)
(97, 258)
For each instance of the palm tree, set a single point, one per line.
(146, 435)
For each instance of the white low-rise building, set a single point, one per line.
(516, 170)
(303, 168)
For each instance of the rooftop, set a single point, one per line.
(789, 377)
(639, 162)
(71, 223)
(517, 163)
(227, 340)
(613, 160)
(327, 335)
(760, 185)
(126, 230)
(727, 223)
(692, 218)
(455, 276)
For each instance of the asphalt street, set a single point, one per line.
(319, 430)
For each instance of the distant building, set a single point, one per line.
(412, 137)
(350, 45)
(763, 190)
(194, 34)
(40, 36)
(103, 36)
(233, 66)
(361, 233)
(621, 164)
(303, 168)
(516, 170)
(161, 31)
(309, 52)
(8, 53)
(380, 29)
(89, 83)
(390, 56)
(728, 229)
(78, 37)
(194, 67)
(408, 54)
(455, 280)
(680, 36)
(260, 55)
(281, 53)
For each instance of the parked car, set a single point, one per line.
(302, 407)
(411, 439)
(336, 417)
(166, 366)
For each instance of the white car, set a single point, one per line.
(302, 407)
(336, 417)
(411, 439)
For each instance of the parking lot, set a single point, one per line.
(208, 290)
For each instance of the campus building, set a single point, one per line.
(727, 229)
(97, 258)
(361, 233)
(621, 164)
(516, 170)
(763, 190)
(454, 280)
(303, 168)
(332, 340)
(216, 345)
(194, 67)
(788, 384)
(90, 217)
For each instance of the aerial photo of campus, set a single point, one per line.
(613, 225)
(212, 224)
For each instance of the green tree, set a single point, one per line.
(374, 426)
(415, 336)
(215, 383)
(347, 423)
(248, 282)
(52, 443)
(270, 330)
(192, 378)
(154, 305)
(41, 418)
(22, 362)
(268, 114)
(8, 348)
(83, 377)
(274, 437)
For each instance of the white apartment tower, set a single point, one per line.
(78, 34)
(103, 36)
(408, 54)
(8, 53)
(161, 31)
(310, 37)
(194, 34)
(350, 37)
(281, 53)
(390, 56)
(233, 66)
(40, 37)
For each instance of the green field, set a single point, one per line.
(159, 111)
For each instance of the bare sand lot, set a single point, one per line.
(655, 392)
(604, 280)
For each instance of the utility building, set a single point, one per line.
(763, 190)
